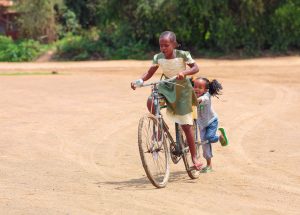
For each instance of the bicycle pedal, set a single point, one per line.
(185, 150)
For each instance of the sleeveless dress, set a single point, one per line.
(181, 99)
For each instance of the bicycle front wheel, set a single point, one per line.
(153, 151)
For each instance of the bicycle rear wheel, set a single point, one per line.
(186, 155)
(153, 151)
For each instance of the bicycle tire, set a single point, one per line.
(157, 151)
(186, 156)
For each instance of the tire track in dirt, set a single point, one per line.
(245, 124)
(244, 162)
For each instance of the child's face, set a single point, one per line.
(166, 46)
(199, 87)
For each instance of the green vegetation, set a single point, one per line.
(210, 28)
(22, 50)
(37, 19)
(114, 29)
(87, 46)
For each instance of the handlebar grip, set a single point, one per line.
(138, 83)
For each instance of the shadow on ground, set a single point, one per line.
(144, 183)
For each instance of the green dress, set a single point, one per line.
(181, 99)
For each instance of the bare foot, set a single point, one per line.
(197, 164)
(222, 139)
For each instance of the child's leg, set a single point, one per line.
(189, 133)
(211, 132)
(207, 153)
(206, 148)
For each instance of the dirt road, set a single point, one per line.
(68, 142)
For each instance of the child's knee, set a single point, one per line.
(212, 138)
(209, 137)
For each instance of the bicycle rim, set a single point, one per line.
(153, 151)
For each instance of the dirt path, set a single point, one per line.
(68, 142)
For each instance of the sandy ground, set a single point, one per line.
(68, 142)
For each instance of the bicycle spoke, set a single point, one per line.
(160, 168)
(147, 137)
(162, 164)
(159, 161)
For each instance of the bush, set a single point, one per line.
(211, 28)
(17, 51)
(286, 23)
(92, 46)
(76, 48)
(224, 34)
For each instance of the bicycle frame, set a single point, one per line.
(162, 124)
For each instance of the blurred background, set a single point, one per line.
(75, 30)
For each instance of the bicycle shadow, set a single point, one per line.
(182, 177)
(143, 183)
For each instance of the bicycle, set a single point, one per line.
(156, 142)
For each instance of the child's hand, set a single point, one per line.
(137, 83)
(199, 100)
(132, 85)
(180, 76)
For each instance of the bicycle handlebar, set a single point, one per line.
(158, 82)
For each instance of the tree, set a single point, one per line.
(37, 19)
(89, 12)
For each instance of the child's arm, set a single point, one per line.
(146, 75)
(203, 99)
(190, 71)
(150, 73)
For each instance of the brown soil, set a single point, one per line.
(68, 142)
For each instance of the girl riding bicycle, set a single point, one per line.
(181, 99)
